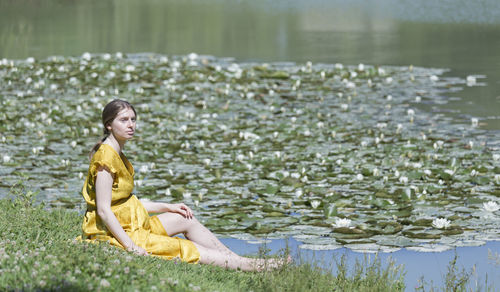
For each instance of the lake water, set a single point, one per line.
(431, 267)
(460, 36)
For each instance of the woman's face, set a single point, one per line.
(123, 126)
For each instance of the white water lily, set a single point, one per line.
(403, 180)
(410, 112)
(359, 177)
(449, 171)
(277, 154)
(399, 128)
(342, 223)
(315, 204)
(240, 157)
(344, 106)
(339, 162)
(167, 192)
(186, 195)
(474, 122)
(491, 206)
(441, 223)
(234, 143)
(73, 144)
(474, 172)
(298, 193)
(130, 68)
(86, 56)
(6, 158)
(295, 175)
(206, 161)
(434, 78)
(351, 85)
(471, 80)
(144, 168)
(438, 144)
(496, 157)
(376, 172)
(138, 183)
(248, 135)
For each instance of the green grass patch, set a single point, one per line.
(38, 252)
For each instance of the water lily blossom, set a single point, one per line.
(315, 203)
(471, 80)
(441, 223)
(491, 206)
(342, 223)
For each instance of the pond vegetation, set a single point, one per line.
(329, 154)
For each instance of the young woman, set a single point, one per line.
(115, 215)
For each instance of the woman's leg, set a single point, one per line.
(193, 230)
(211, 250)
(230, 260)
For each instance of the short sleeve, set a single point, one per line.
(104, 157)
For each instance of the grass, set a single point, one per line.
(38, 252)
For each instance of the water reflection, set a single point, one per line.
(459, 35)
(481, 261)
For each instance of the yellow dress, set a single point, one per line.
(146, 231)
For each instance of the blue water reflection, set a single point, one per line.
(432, 266)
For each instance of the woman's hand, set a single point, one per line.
(181, 209)
(137, 250)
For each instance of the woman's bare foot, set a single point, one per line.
(273, 263)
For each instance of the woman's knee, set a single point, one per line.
(175, 223)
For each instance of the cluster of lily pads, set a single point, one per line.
(329, 154)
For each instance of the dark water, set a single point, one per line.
(463, 36)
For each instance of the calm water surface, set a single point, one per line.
(463, 36)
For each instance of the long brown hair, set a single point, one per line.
(109, 113)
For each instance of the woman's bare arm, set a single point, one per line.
(159, 207)
(103, 185)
